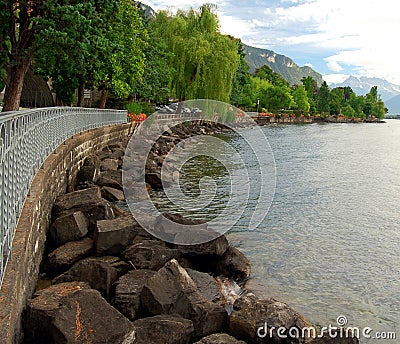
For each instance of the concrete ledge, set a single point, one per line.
(55, 178)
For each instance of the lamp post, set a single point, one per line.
(258, 104)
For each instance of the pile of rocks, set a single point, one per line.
(110, 281)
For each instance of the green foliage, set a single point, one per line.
(348, 111)
(276, 98)
(311, 87)
(268, 74)
(158, 72)
(323, 99)
(241, 82)
(300, 98)
(140, 107)
(123, 60)
(204, 61)
(97, 42)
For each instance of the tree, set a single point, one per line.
(336, 100)
(348, 111)
(357, 103)
(300, 98)
(18, 27)
(276, 98)
(266, 73)
(323, 99)
(241, 82)
(204, 61)
(311, 87)
(158, 71)
(66, 26)
(122, 63)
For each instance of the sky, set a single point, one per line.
(337, 38)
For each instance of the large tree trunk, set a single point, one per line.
(13, 92)
(103, 99)
(81, 95)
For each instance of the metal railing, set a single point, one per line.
(27, 138)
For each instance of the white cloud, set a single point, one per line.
(309, 65)
(234, 26)
(335, 78)
(333, 65)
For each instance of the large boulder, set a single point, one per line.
(206, 284)
(88, 201)
(171, 290)
(220, 338)
(163, 329)
(233, 264)
(111, 237)
(127, 292)
(89, 171)
(70, 227)
(65, 256)
(149, 254)
(71, 313)
(109, 164)
(252, 320)
(111, 194)
(99, 272)
(111, 178)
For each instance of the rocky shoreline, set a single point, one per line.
(267, 119)
(104, 279)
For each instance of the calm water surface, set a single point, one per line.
(330, 244)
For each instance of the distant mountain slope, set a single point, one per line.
(393, 105)
(362, 85)
(281, 64)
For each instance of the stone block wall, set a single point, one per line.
(56, 176)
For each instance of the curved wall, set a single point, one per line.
(56, 177)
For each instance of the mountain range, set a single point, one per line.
(362, 85)
(281, 64)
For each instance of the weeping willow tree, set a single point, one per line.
(204, 60)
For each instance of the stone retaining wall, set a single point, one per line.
(56, 177)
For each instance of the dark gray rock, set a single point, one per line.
(88, 201)
(89, 171)
(220, 338)
(71, 313)
(70, 227)
(154, 180)
(65, 256)
(206, 284)
(250, 315)
(110, 178)
(111, 237)
(171, 290)
(233, 264)
(99, 272)
(111, 194)
(163, 329)
(127, 292)
(109, 164)
(149, 254)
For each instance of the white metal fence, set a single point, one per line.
(26, 140)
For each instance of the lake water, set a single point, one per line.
(330, 244)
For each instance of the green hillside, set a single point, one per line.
(281, 64)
